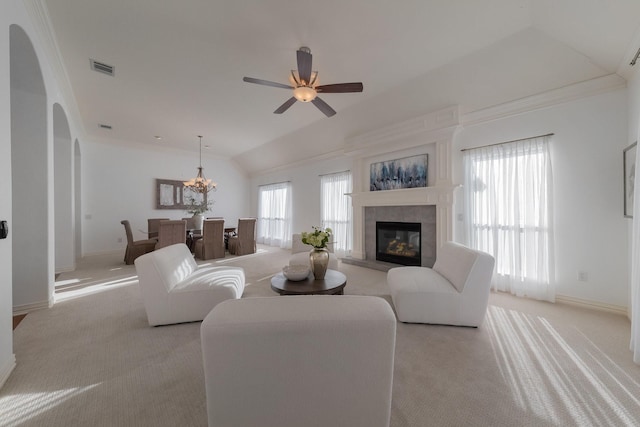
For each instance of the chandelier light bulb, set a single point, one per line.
(200, 184)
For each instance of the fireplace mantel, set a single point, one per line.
(405, 197)
(438, 128)
(442, 197)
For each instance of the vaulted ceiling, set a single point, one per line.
(179, 64)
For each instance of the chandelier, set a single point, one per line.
(200, 184)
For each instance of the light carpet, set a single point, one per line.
(92, 359)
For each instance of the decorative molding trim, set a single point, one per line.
(593, 305)
(434, 126)
(108, 252)
(554, 97)
(66, 269)
(5, 371)
(26, 308)
(298, 163)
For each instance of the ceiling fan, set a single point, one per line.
(305, 86)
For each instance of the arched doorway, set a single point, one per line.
(63, 192)
(32, 264)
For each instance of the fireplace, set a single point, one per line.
(399, 242)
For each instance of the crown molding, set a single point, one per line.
(431, 127)
(291, 165)
(564, 94)
(39, 15)
(158, 147)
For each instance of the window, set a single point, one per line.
(508, 202)
(336, 209)
(274, 215)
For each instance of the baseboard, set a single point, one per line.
(66, 269)
(109, 252)
(611, 308)
(26, 308)
(5, 371)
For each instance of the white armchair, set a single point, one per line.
(454, 292)
(175, 290)
(300, 253)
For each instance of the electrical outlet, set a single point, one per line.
(583, 276)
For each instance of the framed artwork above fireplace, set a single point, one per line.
(406, 172)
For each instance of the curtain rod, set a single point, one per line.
(274, 183)
(506, 142)
(635, 58)
(334, 173)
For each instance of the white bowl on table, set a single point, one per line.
(296, 273)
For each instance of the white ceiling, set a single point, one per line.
(179, 64)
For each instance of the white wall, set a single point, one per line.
(586, 156)
(7, 359)
(29, 199)
(63, 192)
(119, 183)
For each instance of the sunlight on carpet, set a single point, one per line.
(543, 368)
(19, 408)
(75, 288)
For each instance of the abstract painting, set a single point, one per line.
(407, 172)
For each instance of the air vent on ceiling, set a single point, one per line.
(102, 67)
(104, 126)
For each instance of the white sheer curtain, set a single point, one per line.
(508, 201)
(336, 210)
(274, 215)
(635, 269)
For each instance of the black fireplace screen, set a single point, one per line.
(398, 242)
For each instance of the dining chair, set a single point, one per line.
(171, 232)
(153, 224)
(191, 223)
(137, 247)
(244, 242)
(212, 243)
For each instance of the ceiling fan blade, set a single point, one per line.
(304, 65)
(284, 107)
(323, 106)
(266, 83)
(340, 88)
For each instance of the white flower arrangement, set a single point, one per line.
(318, 238)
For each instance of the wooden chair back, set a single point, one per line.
(171, 232)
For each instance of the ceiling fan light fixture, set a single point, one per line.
(294, 79)
(305, 93)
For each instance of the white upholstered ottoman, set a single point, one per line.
(299, 361)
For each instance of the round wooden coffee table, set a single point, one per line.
(332, 284)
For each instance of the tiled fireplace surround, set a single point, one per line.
(431, 206)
